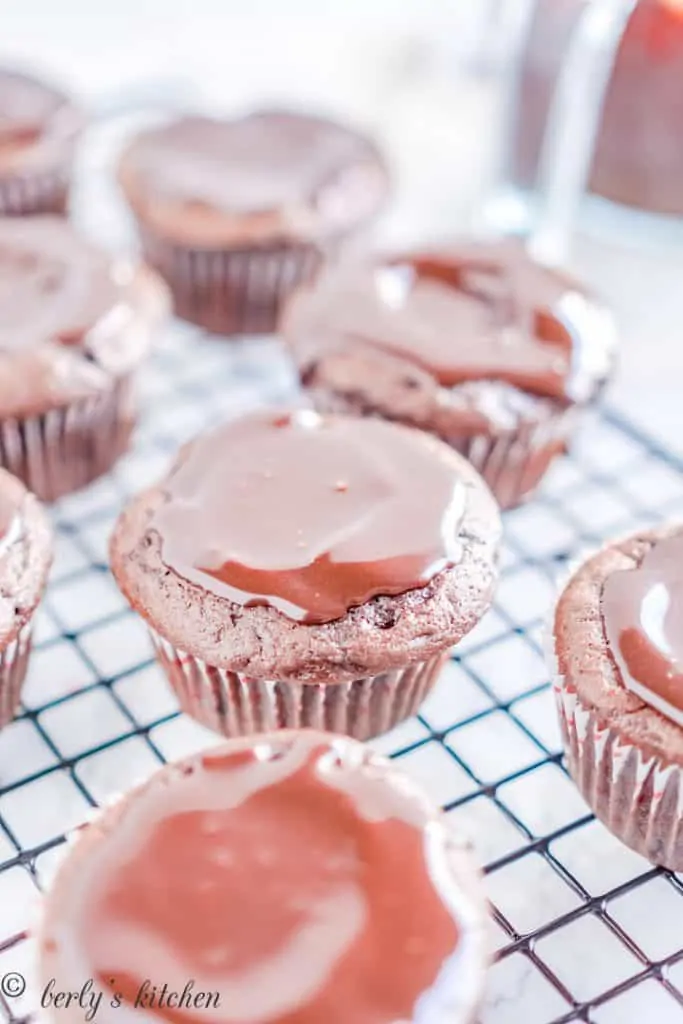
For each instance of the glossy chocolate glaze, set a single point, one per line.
(71, 317)
(311, 515)
(462, 314)
(296, 879)
(262, 162)
(643, 616)
(26, 107)
(53, 285)
(32, 115)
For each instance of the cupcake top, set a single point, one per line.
(642, 610)
(618, 629)
(357, 511)
(477, 334)
(71, 317)
(284, 858)
(25, 555)
(266, 176)
(327, 531)
(38, 123)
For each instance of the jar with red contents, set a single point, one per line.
(624, 62)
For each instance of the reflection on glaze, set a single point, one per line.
(53, 285)
(470, 314)
(294, 879)
(27, 108)
(311, 515)
(643, 615)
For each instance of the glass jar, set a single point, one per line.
(598, 81)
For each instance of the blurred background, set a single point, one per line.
(439, 82)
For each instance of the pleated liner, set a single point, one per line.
(13, 665)
(514, 464)
(638, 797)
(35, 192)
(64, 449)
(232, 291)
(237, 705)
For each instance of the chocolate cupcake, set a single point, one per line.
(235, 214)
(296, 570)
(311, 881)
(475, 343)
(25, 559)
(39, 129)
(619, 650)
(74, 326)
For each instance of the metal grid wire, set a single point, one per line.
(585, 930)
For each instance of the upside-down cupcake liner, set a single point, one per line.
(231, 291)
(63, 449)
(637, 796)
(234, 704)
(35, 192)
(13, 665)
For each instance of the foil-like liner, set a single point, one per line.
(635, 795)
(35, 192)
(62, 450)
(232, 291)
(638, 797)
(514, 464)
(234, 704)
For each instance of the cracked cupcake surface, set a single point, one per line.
(299, 566)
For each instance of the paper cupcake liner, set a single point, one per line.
(237, 705)
(638, 798)
(514, 464)
(238, 291)
(31, 193)
(13, 665)
(64, 449)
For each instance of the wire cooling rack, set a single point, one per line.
(585, 930)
